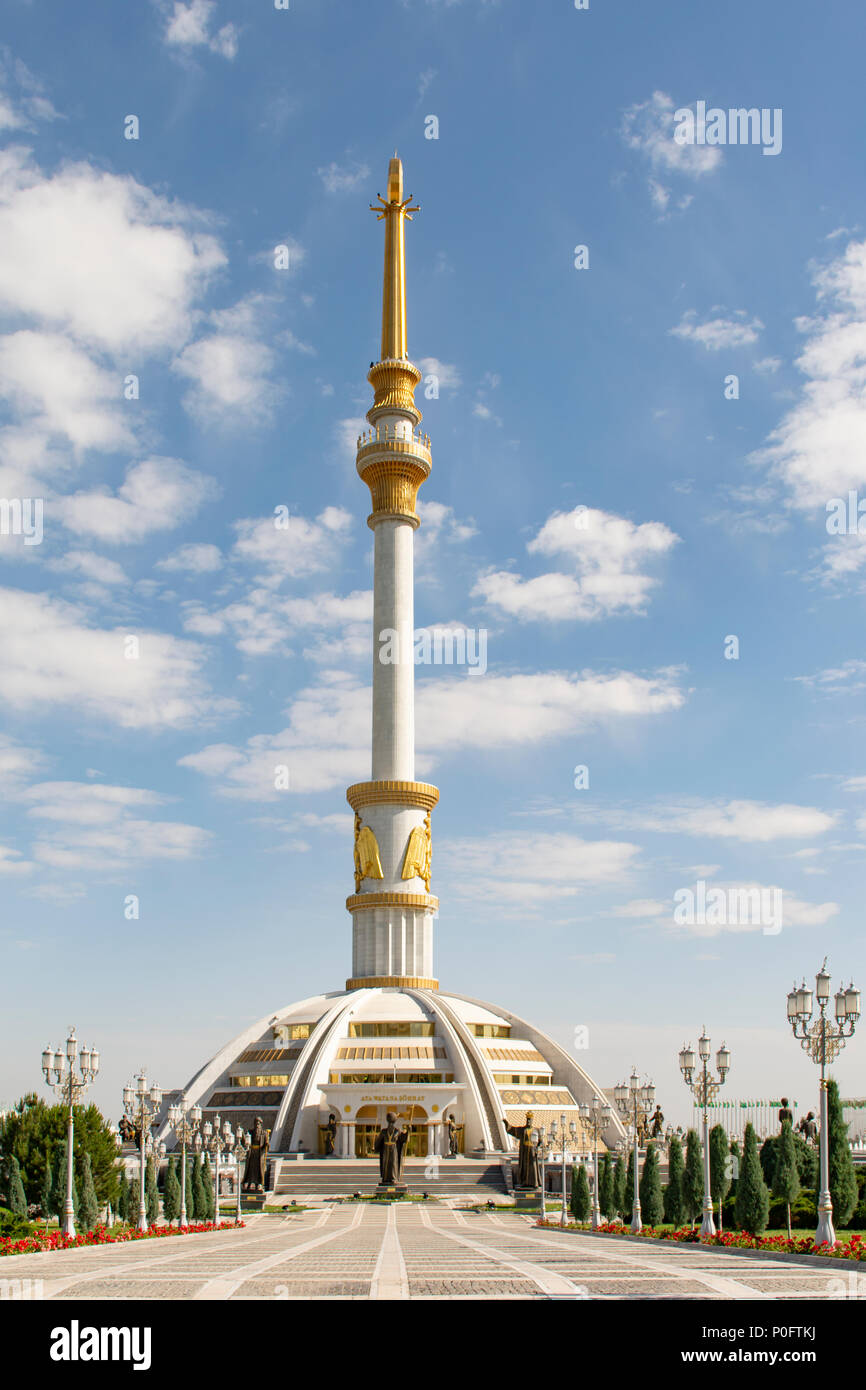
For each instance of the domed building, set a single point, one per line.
(391, 1040)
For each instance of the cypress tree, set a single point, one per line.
(651, 1188)
(753, 1197)
(843, 1179)
(720, 1180)
(693, 1178)
(629, 1185)
(673, 1196)
(786, 1178)
(190, 1196)
(171, 1192)
(15, 1198)
(88, 1207)
(619, 1180)
(606, 1193)
(151, 1192)
(580, 1198)
(207, 1184)
(199, 1196)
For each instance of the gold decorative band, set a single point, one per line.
(382, 793)
(425, 900)
(394, 485)
(394, 382)
(391, 982)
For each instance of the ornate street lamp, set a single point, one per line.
(598, 1116)
(634, 1101)
(704, 1087)
(142, 1104)
(823, 1040)
(185, 1124)
(561, 1136)
(69, 1086)
(217, 1141)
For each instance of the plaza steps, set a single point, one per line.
(468, 1178)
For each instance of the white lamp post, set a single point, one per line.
(598, 1117)
(185, 1125)
(540, 1140)
(704, 1087)
(561, 1136)
(142, 1104)
(217, 1141)
(823, 1040)
(634, 1101)
(69, 1085)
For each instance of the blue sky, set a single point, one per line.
(560, 388)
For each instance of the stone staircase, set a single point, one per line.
(467, 1178)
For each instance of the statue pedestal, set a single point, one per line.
(397, 1189)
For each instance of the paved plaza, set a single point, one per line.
(414, 1252)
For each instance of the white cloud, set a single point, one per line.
(196, 558)
(530, 868)
(59, 389)
(52, 657)
(91, 566)
(607, 553)
(12, 862)
(263, 623)
(189, 26)
(231, 378)
(100, 256)
(339, 178)
(448, 375)
(755, 822)
(157, 494)
(100, 827)
(718, 333)
(640, 907)
(818, 449)
(327, 740)
(648, 128)
(17, 765)
(833, 680)
(302, 547)
(347, 432)
(22, 96)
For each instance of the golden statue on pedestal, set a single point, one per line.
(367, 861)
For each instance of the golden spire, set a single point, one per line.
(394, 210)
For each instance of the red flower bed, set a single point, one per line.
(53, 1240)
(852, 1249)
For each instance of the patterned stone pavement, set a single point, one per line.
(415, 1252)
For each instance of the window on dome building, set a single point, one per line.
(490, 1030)
(394, 1029)
(273, 1079)
(413, 1078)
